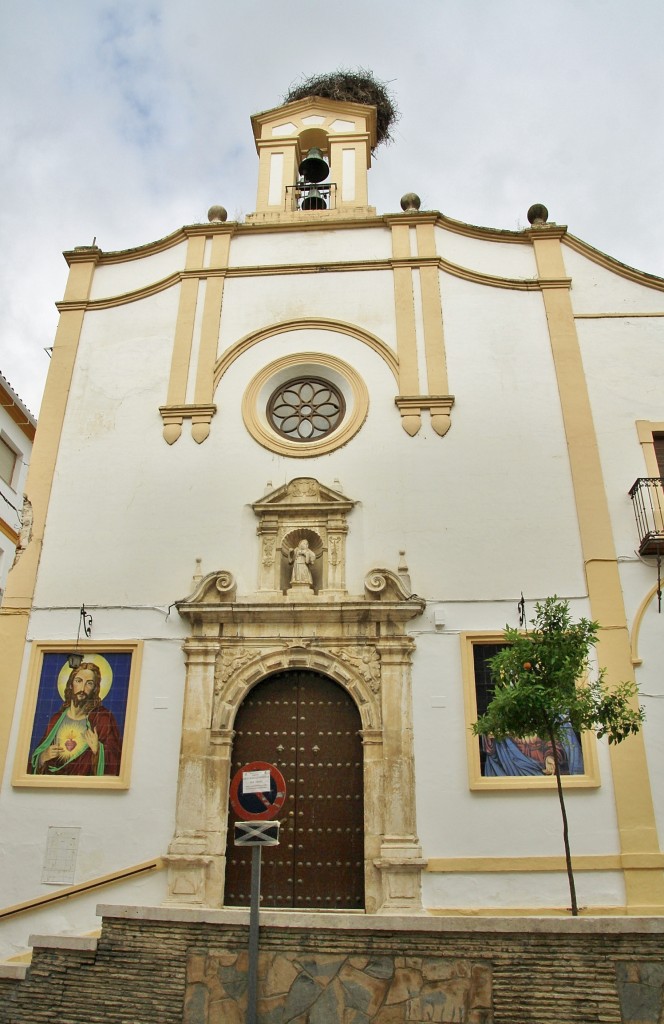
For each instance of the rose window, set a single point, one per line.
(306, 408)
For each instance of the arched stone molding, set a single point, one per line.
(638, 622)
(355, 668)
(387, 354)
(357, 641)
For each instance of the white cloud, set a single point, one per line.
(124, 120)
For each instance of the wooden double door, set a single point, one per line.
(309, 727)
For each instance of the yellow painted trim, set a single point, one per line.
(211, 320)
(156, 864)
(459, 227)
(346, 266)
(19, 591)
(434, 216)
(631, 782)
(580, 862)
(10, 533)
(184, 328)
(404, 309)
(305, 324)
(616, 316)
(432, 314)
(20, 777)
(260, 430)
(636, 625)
(259, 227)
(590, 778)
(591, 911)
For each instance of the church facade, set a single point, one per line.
(292, 478)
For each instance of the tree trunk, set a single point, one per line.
(568, 855)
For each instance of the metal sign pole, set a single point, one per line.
(252, 1006)
(257, 794)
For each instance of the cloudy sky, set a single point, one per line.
(124, 120)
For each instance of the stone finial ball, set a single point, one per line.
(538, 214)
(217, 213)
(410, 202)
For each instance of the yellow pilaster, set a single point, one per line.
(404, 307)
(287, 150)
(432, 312)
(360, 144)
(184, 328)
(17, 604)
(631, 782)
(203, 393)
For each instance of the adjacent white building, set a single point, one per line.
(17, 432)
(450, 417)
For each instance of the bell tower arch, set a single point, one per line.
(341, 134)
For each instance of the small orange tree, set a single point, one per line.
(538, 689)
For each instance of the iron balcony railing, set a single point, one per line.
(647, 494)
(307, 196)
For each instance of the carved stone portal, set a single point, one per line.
(358, 641)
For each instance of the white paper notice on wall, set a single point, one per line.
(61, 854)
(256, 782)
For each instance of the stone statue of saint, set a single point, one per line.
(301, 558)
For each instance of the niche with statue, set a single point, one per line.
(302, 530)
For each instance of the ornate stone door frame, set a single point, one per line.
(358, 641)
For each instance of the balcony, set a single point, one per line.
(308, 196)
(647, 494)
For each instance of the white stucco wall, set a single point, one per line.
(496, 257)
(132, 274)
(363, 298)
(316, 247)
(599, 290)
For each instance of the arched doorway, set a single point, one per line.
(309, 727)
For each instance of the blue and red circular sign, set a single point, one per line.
(258, 791)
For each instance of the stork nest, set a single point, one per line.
(352, 87)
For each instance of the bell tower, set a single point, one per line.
(331, 181)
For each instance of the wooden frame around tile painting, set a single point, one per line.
(77, 728)
(583, 774)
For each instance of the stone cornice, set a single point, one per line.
(609, 263)
(345, 266)
(524, 237)
(317, 610)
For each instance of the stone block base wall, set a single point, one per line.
(326, 987)
(168, 966)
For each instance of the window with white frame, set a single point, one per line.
(8, 461)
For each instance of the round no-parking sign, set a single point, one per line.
(258, 791)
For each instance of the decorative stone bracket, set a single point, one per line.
(439, 406)
(200, 416)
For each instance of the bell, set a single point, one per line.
(313, 167)
(313, 200)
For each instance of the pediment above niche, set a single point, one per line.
(302, 494)
(302, 530)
